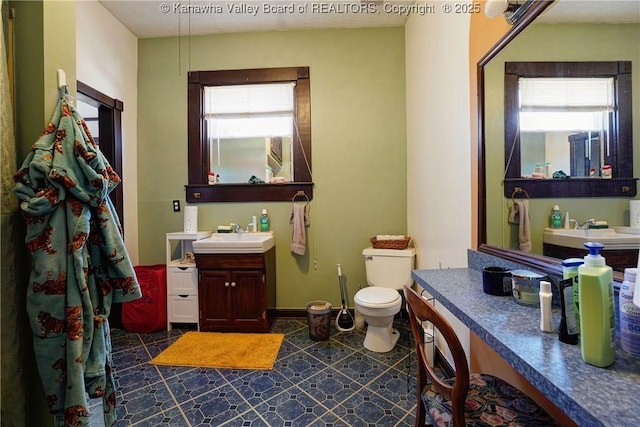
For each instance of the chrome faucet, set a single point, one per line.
(250, 228)
(586, 224)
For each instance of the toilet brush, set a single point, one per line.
(344, 320)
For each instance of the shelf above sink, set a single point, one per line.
(235, 243)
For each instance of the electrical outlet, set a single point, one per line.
(176, 205)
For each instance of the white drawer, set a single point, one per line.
(182, 281)
(182, 309)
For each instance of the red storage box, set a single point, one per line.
(149, 313)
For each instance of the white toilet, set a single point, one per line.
(388, 270)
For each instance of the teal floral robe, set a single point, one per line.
(80, 265)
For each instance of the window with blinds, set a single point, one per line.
(248, 111)
(246, 127)
(565, 104)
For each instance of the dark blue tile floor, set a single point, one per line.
(336, 382)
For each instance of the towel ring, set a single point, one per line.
(300, 194)
(519, 190)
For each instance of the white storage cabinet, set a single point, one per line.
(182, 278)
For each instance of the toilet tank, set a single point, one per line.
(389, 268)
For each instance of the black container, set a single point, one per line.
(496, 281)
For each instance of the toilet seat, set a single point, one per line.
(376, 297)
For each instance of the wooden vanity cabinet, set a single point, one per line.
(617, 259)
(236, 291)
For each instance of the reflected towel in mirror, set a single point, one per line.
(519, 214)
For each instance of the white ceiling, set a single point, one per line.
(592, 11)
(164, 18)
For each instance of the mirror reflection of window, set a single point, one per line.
(565, 126)
(250, 130)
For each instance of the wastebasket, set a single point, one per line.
(149, 313)
(319, 314)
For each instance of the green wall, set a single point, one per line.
(358, 136)
(45, 41)
(554, 42)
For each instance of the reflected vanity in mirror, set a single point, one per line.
(568, 129)
(249, 135)
(548, 44)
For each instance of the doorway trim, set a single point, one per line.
(110, 142)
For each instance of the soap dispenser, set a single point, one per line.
(556, 217)
(597, 333)
(264, 221)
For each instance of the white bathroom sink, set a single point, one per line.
(590, 232)
(225, 243)
(609, 237)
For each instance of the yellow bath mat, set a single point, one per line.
(222, 350)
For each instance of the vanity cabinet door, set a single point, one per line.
(248, 300)
(214, 300)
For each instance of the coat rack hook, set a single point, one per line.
(62, 78)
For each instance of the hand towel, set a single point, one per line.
(299, 219)
(519, 214)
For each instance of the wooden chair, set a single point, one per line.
(467, 399)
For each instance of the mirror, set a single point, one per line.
(249, 135)
(250, 131)
(551, 129)
(260, 159)
(564, 11)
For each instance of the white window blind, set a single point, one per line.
(246, 111)
(566, 94)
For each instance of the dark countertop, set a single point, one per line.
(590, 395)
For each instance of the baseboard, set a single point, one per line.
(441, 362)
(298, 313)
(290, 313)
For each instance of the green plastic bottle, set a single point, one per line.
(265, 224)
(597, 327)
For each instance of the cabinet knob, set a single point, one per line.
(226, 284)
(233, 284)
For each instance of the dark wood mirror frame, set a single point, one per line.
(622, 184)
(198, 191)
(540, 263)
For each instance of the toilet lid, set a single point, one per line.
(377, 297)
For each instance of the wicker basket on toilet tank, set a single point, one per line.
(390, 243)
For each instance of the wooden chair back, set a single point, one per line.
(421, 310)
